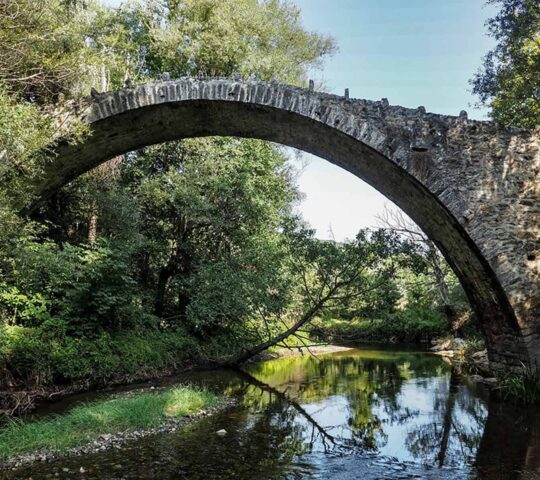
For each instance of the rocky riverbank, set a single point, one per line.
(467, 357)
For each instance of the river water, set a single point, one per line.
(355, 414)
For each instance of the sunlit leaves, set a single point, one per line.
(509, 81)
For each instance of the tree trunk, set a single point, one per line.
(249, 353)
(447, 420)
(435, 261)
(165, 275)
(143, 261)
(440, 280)
(183, 302)
(92, 228)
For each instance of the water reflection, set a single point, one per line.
(353, 414)
(403, 405)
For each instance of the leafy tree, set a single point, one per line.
(327, 273)
(211, 212)
(509, 81)
(39, 47)
(221, 37)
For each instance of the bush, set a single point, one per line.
(408, 326)
(90, 287)
(23, 355)
(41, 356)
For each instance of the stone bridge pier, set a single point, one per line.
(472, 186)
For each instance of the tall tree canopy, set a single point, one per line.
(58, 46)
(509, 80)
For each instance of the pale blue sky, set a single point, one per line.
(413, 52)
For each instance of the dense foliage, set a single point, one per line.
(509, 81)
(140, 262)
(177, 252)
(406, 307)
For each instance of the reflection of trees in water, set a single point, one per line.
(376, 389)
(371, 394)
(373, 390)
(368, 384)
(452, 438)
(283, 428)
(318, 432)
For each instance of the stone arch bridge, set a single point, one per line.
(472, 186)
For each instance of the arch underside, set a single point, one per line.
(136, 128)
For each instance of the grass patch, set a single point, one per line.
(87, 422)
(523, 387)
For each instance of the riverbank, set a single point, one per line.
(315, 350)
(34, 369)
(101, 425)
(399, 328)
(127, 416)
(153, 363)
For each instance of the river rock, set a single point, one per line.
(447, 345)
(442, 344)
(481, 361)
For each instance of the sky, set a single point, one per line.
(413, 52)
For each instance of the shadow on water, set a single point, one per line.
(352, 414)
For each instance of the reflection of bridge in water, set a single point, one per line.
(510, 445)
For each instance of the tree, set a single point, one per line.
(212, 210)
(395, 220)
(327, 273)
(509, 80)
(430, 261)
(223, 37)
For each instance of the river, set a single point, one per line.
(355, 414)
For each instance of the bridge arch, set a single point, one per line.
(469, 185)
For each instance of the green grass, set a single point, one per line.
(87, 422)
(523, 387)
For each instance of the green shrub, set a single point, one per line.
(24, 355)
(91, 287)
(411, 325)
(18, 308)
(523, 387)
(35, 356)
